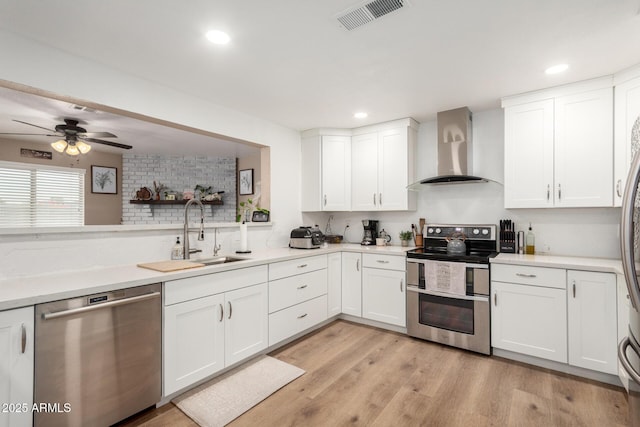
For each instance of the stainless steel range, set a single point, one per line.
(448, 294)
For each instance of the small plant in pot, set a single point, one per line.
(405, 237)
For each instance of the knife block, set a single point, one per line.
(507, 247)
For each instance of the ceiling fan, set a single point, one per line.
(75, 138)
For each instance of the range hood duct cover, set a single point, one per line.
(455, 156)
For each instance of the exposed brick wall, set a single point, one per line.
(178, 173)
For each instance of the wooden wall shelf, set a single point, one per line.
(173, 202)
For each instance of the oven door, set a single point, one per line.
(477, 276)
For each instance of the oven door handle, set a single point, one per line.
(485, 298)
(466, 264)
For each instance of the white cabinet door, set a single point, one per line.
(583, 149)
(193, 341)
(383, 296)
(336, 173)
(393, 169)
(352, 284)
(364, 172)
(529, 320)
(16, 367)
(334, 284)
(246, 322)
(528, 155)
(311, 174)
(592, 320)
(626, 132)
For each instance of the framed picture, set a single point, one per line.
(104, 180)
(246, 182)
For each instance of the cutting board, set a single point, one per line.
(173, 265)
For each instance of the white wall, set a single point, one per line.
(579, 232)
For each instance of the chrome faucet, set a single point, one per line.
(187, 251)
(216, 246)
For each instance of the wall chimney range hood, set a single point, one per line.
(455, 156)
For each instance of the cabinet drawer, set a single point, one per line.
(278, 270)
(180, 290)
(529, 275)
(387, 262)
(288, 322)
(293, 290)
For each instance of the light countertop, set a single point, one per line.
(604, 265)
(30, 290)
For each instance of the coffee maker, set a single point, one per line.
(370, 232)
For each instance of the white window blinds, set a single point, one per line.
(33, 195)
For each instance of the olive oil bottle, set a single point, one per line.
(530, 242)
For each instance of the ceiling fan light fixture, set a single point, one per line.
(72, 150)
(59, 145)
(83, 147)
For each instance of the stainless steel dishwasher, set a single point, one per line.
(98, 358)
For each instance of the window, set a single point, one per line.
(33, 195)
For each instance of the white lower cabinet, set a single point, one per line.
(384, 289)
(352, 283)
(592, 320)
(297, 296)
(16, 367)
(212, 321)
(529, 320)
(334, 284)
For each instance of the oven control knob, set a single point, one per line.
(485, 231)
(438, 231)
(476, 231)
(430, 230)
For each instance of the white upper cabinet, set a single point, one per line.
(382, 168)
(362, 169)
(326, 175)
(626, 128)
(559, 147)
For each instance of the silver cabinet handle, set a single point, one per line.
(574, 288)
(382, 261)
(221, 312)
(548, 191)
(48, 316)
(230, 310)
(618, 188)
(23, 343)
(302, 287)
(495, 299)
(559, 192)
(302, 315)
(302, 265)
(525, 275)
(401, 285)
(325, 200)
(374, 199)
(358, 264)
(380, 198)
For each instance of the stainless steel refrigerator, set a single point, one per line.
(629, 347)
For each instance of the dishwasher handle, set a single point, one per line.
(57, 314)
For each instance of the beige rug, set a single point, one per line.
(223, 399)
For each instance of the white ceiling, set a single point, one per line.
(289, 61)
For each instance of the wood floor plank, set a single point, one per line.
(359, 375)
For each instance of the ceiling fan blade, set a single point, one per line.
(28, 134)
(110, 143)
(97, 135)
(30, 124)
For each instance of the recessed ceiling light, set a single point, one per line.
(556, 69)
(360, 115)
(218, 37)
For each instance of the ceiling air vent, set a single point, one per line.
(83, 108)
(355, 17)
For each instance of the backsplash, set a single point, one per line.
(178, 173)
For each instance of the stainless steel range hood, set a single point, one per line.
(455, 156)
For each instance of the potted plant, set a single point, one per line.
(405, 236)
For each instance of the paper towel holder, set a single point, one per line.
(243, 239)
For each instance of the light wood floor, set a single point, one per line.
(359, 375)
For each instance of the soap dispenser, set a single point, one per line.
(530, 245)
(178, 250)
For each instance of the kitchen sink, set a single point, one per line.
(219, 260)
